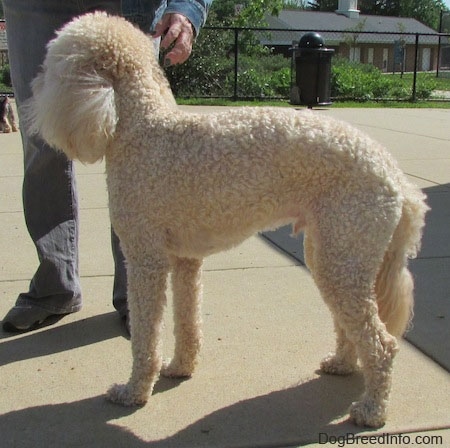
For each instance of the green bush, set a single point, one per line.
(357, 81)
(5, 76)
(425, 86)
(266, 76)
(363, 82)
(210, 69)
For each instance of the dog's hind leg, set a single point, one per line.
(146, 302)
(359, 325)
(186, 286)
(344, 360)
(345, 270)
(376, 349)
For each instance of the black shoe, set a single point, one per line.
(26, 318)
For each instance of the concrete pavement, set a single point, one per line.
(265, 326)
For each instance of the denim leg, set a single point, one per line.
(120, 276)
(49, 189)
(142, 14)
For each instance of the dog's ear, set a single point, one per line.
(72, 109)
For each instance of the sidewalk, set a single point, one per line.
(265, 331)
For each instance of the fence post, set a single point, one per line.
(236, 63)
(439, 44)
(416, 63)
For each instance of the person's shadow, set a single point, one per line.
(60, 338)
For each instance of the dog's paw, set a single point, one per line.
(173, 369)
(336, 366)
(122, 394)
(368, 413)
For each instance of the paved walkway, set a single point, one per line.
(265, 328)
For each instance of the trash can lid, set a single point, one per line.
(311, 40)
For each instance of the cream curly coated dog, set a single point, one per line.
(182, 187)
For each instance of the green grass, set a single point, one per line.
(442, 83)
(343, 104)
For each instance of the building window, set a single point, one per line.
(355, 54)
(385, 59)
(370, 52)
(426, 59)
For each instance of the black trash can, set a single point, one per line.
(312, 72)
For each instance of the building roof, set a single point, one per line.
(337, 24)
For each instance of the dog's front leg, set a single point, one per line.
(186, 285)
(146, 302)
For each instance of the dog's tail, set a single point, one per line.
(75, 98)
(394, 284)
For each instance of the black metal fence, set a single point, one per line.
(257, 63)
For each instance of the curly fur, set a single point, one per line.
(182, 187)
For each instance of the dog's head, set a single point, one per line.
(72, 107)
(74, 98)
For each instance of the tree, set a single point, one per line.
(351, 39)
(296, 4)
(254, 11)
(380, 7)
(426, 11)
(323, 5)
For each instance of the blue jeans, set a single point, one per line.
(49, 188)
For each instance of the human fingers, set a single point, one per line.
(177, 32)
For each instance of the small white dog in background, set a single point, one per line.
(183, 186)
(7, 117)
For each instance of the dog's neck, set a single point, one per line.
(150, 94)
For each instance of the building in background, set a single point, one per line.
(368, 39)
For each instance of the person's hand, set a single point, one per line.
(175, 29)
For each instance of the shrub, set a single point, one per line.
(210, 69)
(5, 76)
(356, 81)
(353, 80)
(425, 86)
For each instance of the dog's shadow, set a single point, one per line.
(296, 415)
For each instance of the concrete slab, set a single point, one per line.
(265, 329)
(257, 383)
